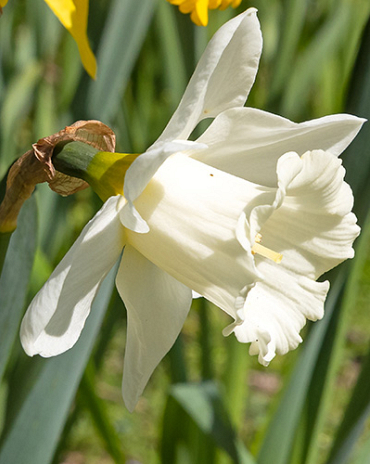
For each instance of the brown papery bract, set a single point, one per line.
(36, 166)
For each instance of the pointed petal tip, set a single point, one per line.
(130, 403)
(27, 348)
(26, 339)
(44, 345)
(355, 120)
(251, 11)
(131, 219)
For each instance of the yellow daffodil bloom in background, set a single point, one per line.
(73, 15)
(249, 216)
(198, 9)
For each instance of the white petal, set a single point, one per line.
(192, 211)
(139, 174)
(196, 295)
(247, 142)
(223, 77)
(157, 306)
(313, 228)
(57, 314)
(276, 310)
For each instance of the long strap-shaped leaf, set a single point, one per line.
(357, 156)
(33, 432)
(202, 403)
(279, 439)
(15, 277)
(358, 408)
(320, 395)
(124, 33)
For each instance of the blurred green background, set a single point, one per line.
(208, 401)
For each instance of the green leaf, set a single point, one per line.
(72, 71)
(293, 21)
(319, 397)
(205, 331)
(203, 404)
(357, 157)
(98, 412)
(15, 277)
(125, 29)
(331, 38)
(17, 102)
(46, 27)
(354, 420)
(45, 114)
(40, 400)
(174, 67)
(358, 408)
(363, 454)
(175, 427)
(279, 438)
(4, 244)
(235, 379)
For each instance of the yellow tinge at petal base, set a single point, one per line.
(106, 173)
(198, 9)
(73, 15)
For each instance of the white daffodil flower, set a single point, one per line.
(248, 216)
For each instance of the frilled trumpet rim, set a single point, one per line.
(311, 225)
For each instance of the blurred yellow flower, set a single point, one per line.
(73, 15)
(198, 9)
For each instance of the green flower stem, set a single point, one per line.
(204, 339)
(178, 367)
(73, 158)
(103, 171)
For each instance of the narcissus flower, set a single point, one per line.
(198, 9)
(248, 216)
(73, 15)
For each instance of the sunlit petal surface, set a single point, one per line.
(157, 306)
(192, 211)
(223, 77)
(57, 314)
(248, 142)
(313, 228)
